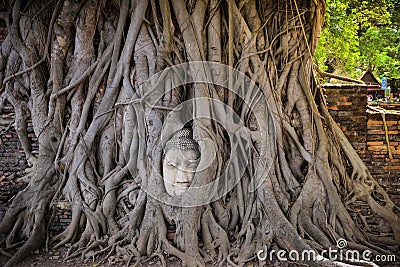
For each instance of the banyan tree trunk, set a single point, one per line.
(106, 83)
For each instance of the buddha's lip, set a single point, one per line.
(182, 185)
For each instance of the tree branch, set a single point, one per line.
(338, 77)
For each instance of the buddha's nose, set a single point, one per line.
(182, 177)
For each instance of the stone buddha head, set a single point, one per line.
(180, 160)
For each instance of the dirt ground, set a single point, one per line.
(56, 258)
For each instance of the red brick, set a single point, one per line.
(376, 143)
(344, 103)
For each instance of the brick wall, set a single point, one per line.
(365, 131)
(347, 105)
(377, 145)
(385, 169)
(12, 159)
(62, 217)
(12, 166)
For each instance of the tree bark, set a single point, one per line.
(95, 79)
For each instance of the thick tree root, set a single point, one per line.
(99, 121)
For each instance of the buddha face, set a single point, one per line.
(179, 167)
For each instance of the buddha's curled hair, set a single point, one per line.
(183, 140)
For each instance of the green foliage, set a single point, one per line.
(370, 13)
(339, 40)
(380, 51)
(361, 35)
